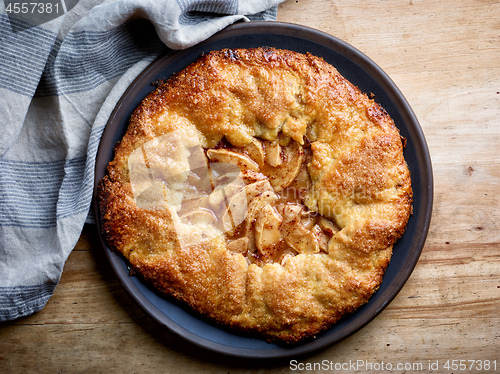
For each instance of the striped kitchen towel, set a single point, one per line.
(63, 66)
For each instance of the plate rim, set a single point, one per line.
(417, 136)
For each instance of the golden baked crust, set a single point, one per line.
(298, 230)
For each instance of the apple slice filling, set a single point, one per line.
(255, 196)
(277, 224)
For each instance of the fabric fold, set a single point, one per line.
(59, 82)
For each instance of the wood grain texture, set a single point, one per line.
(445, 58)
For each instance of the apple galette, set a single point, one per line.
(260, 188)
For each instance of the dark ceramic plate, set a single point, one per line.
(361, 71)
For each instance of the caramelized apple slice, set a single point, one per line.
(283, 175)
(255, 151)
(251, 176)
(256, 205)
(239, 245)
(328, 226)
(240, 203)
(243, 161)
(235, 212)
(295, 234)
(273, 154)
(267, 229)
(321, 237)
(254, 209)
(200, 215)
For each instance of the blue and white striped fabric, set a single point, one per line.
(59, 81)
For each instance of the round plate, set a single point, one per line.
(362, 72)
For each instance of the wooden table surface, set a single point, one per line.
(445, 57)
